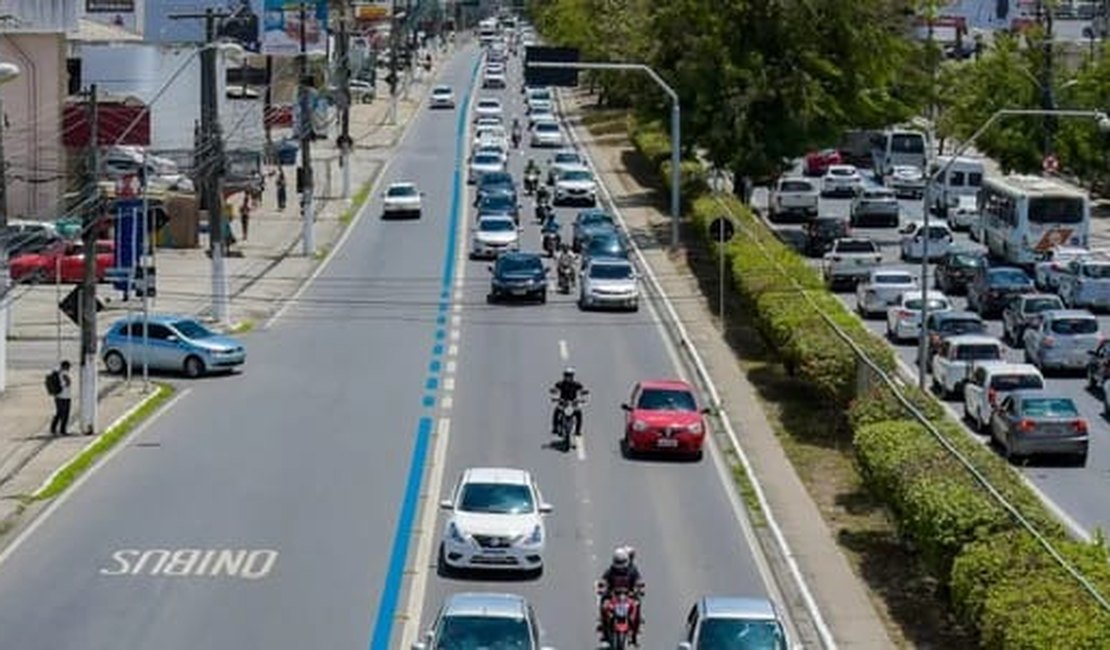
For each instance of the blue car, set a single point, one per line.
(520, 276)
(174, 343)
(604, 245)
(494, 183)
(499, 205)
(590, 223)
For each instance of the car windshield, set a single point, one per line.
(611, 271)
(963, 326)
(497, 202)
(549, 127)
(441, 90)
(595, 219)
(856, 246)
(606, 242)
(520, 264)
(891, 278)
(489, 104)
(487, 159)
(482, 633)
(738, 634)
(401, 190)
(497, 178)
(978, 352)
(968, 260)
(566, 158)
(878, 195)
(496, 498)
(841, 171)
(907, 143)
(1008, 276)
(496, 225)
(795, 186)
(1100, 271)
(1023, 381)
(1075, 326)
(1037, 305)
(1049, 407)
(191, 329)
(664, 399)
(935, 304)
(577, 175)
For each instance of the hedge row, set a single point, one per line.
(1000, 582)
(654, 144)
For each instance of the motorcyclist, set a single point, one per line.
(565, 265)
(516, 143)
(543, 193)
(568, 389)
(621, 574)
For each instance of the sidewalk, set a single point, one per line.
(841, 597)
(264, 271)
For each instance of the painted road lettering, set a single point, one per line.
(245, 564)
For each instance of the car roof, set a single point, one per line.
(495, 217)
(609, 261)
(929, 293)
(1030, 393)
(956, 315)
(973, 339)
(503, 475)
(163, 319)
(489, 100)
(998, 367)
(850, 168)
(738, 607)
(574, 168)
(666, 384)
(485, 604)
(1053, 314)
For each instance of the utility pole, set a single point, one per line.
(343, 47)
(268, 107)
(1048, 97)
(308, 237)
(89, 227)
(394, 41)
(211, 161)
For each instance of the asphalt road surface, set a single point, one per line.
(272, 508)
(1077, 492)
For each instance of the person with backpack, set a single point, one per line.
(58, 384)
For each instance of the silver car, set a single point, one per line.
(484, 163)
(882, 289)
(483, 620)
(1086, 284)
(547, 134)
(1063, 339)
(1030, 422)
(493, 235)
(728, 622)
(609, 283)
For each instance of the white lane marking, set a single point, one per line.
(458, 301)
(456, 335)
(451, 366)
(580, 448)
(76, 486)
(456, 320)
(453, 350)
(247, 564)
(422, 561)
(448, 384)
(564, 352)
(446, 402)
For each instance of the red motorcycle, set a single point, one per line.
(620, 614)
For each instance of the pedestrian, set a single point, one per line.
(245, 215)
(281, 197)
(59, 385)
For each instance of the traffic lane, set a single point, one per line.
(300, 461)
(677, 514)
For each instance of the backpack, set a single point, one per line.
(54, 383)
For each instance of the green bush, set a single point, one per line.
(694, 180)
(651, 140)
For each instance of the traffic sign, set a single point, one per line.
(71, 305)
(1051, 164)
(563, 77)
(722, 229)
(128, 186)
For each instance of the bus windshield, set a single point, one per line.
(1055, 209)
(907, 143)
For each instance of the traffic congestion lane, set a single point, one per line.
(1075, 491)
(678, 515)
(274, 490)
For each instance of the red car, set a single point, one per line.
(64, 262)
(663, 416)
(817, 162)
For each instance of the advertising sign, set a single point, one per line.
(281, 27)
(374, 11)
(130, 238)
(241, 25)
(109, 6)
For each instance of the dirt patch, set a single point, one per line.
(815, 438)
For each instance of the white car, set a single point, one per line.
(494, 79)
(488, 106)
(575, 185)
(540, 115)
(988, 384)
(953, 362)
(609, 283)
(484, 121)
(850, 259)
(907, 181)
(533, 95)
(841, 180)
(913, 240)
(494, 234)
(492, 149)
(401, 200)
(484, 163)
(882, 288)
(547, 134)
(1054, 265)
(1086, 284)
(903, 317)
(566, 159)
(495, 521)
(794, 195)
(491, 136)
(442, 97)
(1063, 339)
(964, 215)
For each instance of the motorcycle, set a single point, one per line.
(551, 241)
(566, 278)
(531, 179)
(543, 210)
(564, 419)
(620, 610)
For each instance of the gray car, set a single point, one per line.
(483, 620)
(1025, 311)
(1030, 422)
(728, 622)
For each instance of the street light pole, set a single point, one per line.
(8, 72)
(676, 120)
(1103, 123)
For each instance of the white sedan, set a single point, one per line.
(495, 521)
(907, 181)
(609, 283)
(913, 240)
(903, 318)
(442, 97)
(490, 136)
(493, 235)
(882, 287)
(401, 200)
(547, 134)
(575, 185)
(484, 163)
(841, 180)
(488, 106)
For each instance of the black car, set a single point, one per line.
(499, 204)
(495, 183)
(992, 287)
(955, 270)
(519, 276)
(943, 324)
(821, 232)
(604, 245)
(590, 223)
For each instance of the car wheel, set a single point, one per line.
(38, 276)
(115, 363)
(635, 307)
(443, 569)
(490, 299)
(543, 297)
(194, 366)
(1092, 383)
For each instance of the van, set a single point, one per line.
(964, 178)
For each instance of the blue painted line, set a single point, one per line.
(398, 555)
(431, 384)
(434, 367)
(441, 320)
(443, 306)
(445, 295)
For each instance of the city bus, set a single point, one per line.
(1024, 217)
(898, 146)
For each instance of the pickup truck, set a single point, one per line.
(850, 260)
(989, 382)
(952, 363)
(794, 196)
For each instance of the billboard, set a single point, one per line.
(241, 26)
(374, 11)
(281, 27)
(109, 6)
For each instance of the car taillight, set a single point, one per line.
(904, 314)
(1026, 425)
(1048, 341)
(1079, 426)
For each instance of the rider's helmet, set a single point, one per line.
(631, 553)
(568, 373)
(621, 557)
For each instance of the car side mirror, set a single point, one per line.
(626, 407)
(546, 508)
(447, 504)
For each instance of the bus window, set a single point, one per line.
(907, 143)
(956, 179)
(1055, 209)
(974, 179)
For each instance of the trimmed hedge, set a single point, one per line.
(998, 580)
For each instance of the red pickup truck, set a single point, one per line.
(63, 262)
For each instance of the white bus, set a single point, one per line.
(964, 178)
(898, 147)
(1026, 216)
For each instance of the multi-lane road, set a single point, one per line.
(1077, 493)
(280, 507)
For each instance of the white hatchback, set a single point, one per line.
(881, 289)
(547, 134)
(903, 318)
(493, 235)
(495, 521)
(488, 106)
(913, 240)
(401, 200)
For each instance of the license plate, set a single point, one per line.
(666, 442)
(519, 292)
(494, 551)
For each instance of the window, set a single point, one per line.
(1006, 383)
(401, 190)
(1050, 407)
(577, 175)
(157, 332)
(740, 634)
(496, 225)
(191, 329)
(935, 304)
(890, 278)
(476, 631)
(496, 498)
(795, 186)
(967, 260)
(1037, 305)
(978, 352)
(974, 179)
(856, 246)
(907, 143)
(1100, 271)
(1008, 277)
(963, 326)
(519, 264)
(662, 399)
(610, 271)
(1074, 326)
(956, 179)
(1056, 209)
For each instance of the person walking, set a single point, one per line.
(281, 196)
(245, 215)
(60, 385)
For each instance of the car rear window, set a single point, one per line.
(889, 278)
(963, 326)
(978, 352)
(934, 304)
(1049, 407)
(1075, 326)
(795, 186)
(547, 126)
(1100, 271)
(856, 246)
(1019, 381)
(968, 260)
(661, 399)
(1008, 276)
(1037, 305)
(487, 159)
